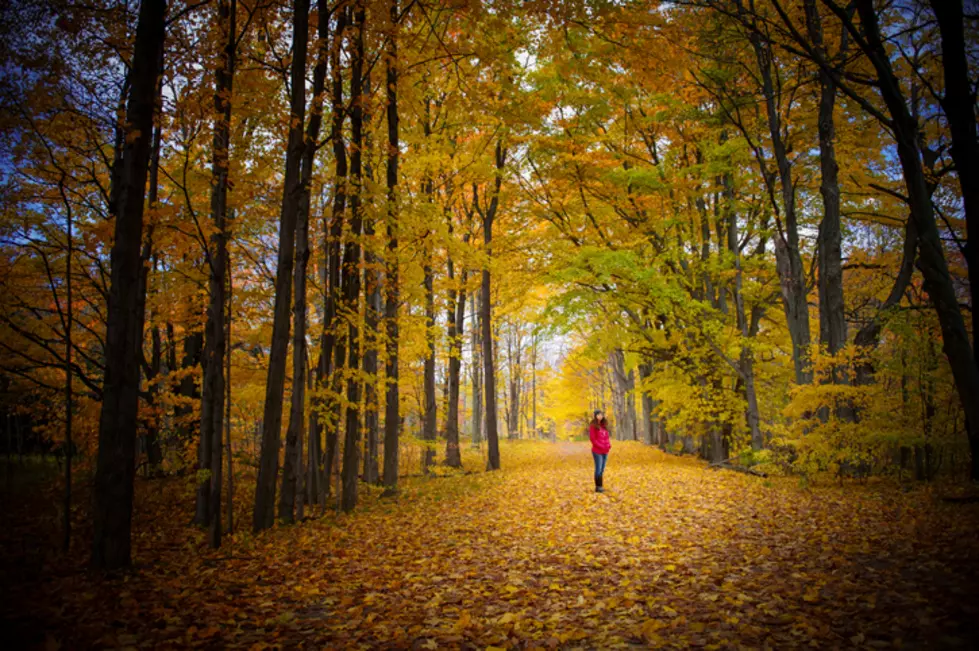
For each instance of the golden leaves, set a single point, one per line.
(531, 558)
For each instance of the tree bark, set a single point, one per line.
(263, 515)
(631, 405)
(212, 402)
(959, 107)
(533, 385)
(115, 470)
(187, 389)
(787, 255)
(747, 326)
(832, 323)
(227, 403)
(392, 407)
(653, 426)
(514, 347)
(334, 353)
(622, 388)
(456, 318)
(69, 396)
(489, 388)
(154, 451)
(351, 265)
(429, 418)
(291, 496)
(477, 394)
(931, 258)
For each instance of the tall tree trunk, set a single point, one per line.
(69, 396)
(477, 394)
(832, 323)
(429, 413)
(115, 470)
(633, 433)
(227, 399)
(151, 369)
(315, 481)
(392, 406)
(212, 403)
(334, 352)
(622, 397)
(292, 469)
(371, 324)
(489, 389)
(787, 254)
(187, 389)
(747, 326)
(959, 107)
(533, 385)
(263, 515)
(429, 421)
(351, 265)
(648, 406)
(456, 315)
(372, 312)
(154, 452)
(514, 344)
(931, 258)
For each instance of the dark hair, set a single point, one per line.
(594, 418)
(603, 423)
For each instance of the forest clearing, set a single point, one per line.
(673, 555)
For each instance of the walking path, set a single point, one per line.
(672, 555)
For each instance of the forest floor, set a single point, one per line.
(672, 555)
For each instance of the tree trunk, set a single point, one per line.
(334, 353)
(456, 319)
(372, 312)
(477, 395)
(429, 420)
(392, 407)
(154, 452)
(514, 344)
(832, 323)
(115, 471)
(189, 392)
(351, 264)
(315, 489)
(227, 404)
(631, 405)
(263, 515)
(212, 402)
(931, 258)
(489, 388)
(959, 107)
(372, 315)
(787, 255)
(748, 327)
(533, 386)
(69, 396)
(622, 397)
(292, 470)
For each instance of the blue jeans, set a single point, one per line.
(600, 461)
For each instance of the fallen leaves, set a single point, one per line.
(530, 557)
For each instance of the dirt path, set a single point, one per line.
(671, 555)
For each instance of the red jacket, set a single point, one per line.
(600, 443)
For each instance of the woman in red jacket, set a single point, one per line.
(600, 445)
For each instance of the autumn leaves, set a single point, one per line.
(674, 556)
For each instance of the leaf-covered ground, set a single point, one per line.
(672, 555)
